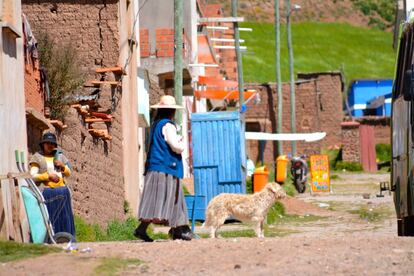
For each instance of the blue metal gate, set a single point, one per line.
(218, 158)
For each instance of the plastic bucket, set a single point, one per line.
(281, 168)
(260, 178)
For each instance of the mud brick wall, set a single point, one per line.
(96, 181)
(329, 96)
(32, 86)
(318, 108)
(92, 28)
(382, 128)
(351, 142)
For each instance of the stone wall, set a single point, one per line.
(351, 148)
(318, 108)
(92, 28)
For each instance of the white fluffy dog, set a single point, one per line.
(246, 208)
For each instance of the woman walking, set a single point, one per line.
(162, 200)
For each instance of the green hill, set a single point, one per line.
(361, 52)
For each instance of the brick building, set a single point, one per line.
(318, 108)
(106, 168)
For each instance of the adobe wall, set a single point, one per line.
(96, 180)
(382, 128)
(92, 28)
(318, 108)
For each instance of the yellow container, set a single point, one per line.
(260, 178)
(281, 168)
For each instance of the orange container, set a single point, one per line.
(260, 178)
(281, 168)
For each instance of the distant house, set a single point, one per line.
(370, 98)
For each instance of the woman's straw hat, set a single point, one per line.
(167, 101)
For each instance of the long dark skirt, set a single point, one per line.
(59, 206)
(163, 201)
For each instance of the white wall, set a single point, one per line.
(12, 99)
(130, 143)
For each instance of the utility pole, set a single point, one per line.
(234, 5)
(178, 56)
(292, 77)
(278, 78)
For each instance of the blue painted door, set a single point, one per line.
(219, 158)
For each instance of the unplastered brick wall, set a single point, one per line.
(32, 86)
(164, 43)
(164, 39)
(314, 97)
(92, 28)
(144, 43)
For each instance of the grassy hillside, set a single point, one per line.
(362, 52)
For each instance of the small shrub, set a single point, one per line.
(249, 186)
(277, 211)
(121, 231)
(383, 152)
(289, 188)
(348, 166)
(334, 176)
(88, 232)
(334, 155)
(64, 75)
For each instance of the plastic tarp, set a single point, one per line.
(223, 94)
(307, 137)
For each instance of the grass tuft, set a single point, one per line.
(113, 266)
(12, 251)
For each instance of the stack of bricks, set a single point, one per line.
(144, 43)
(164, 39)
(226, 57)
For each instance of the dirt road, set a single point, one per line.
(350, 232)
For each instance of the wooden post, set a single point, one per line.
(13, 219)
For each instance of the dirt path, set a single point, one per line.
(339, 233)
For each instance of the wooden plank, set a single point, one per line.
(97, 120)
(8, 209)
(116, 70)
(4, 234)
(96, 82)
(101, 115)
(220, 19)
(24, 223)
(15, 175)
(15, 201)
(58, 124)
